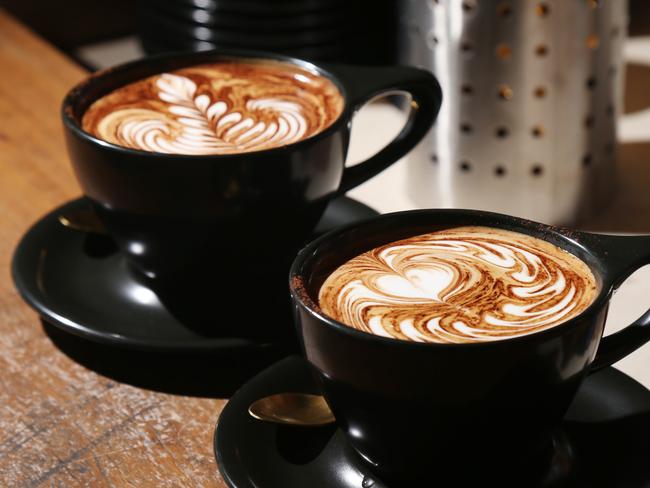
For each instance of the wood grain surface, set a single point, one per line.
(62, 424)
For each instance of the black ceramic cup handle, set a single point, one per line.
(363, 84)
(621, 255)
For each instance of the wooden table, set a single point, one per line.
(60, 423)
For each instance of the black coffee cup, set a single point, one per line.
(427, 411)
(174, 214)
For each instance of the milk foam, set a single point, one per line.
(215, 109)
(466, 284)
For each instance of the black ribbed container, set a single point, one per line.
(358, 32)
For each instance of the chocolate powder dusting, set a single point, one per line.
(217, 108)
(468, 284)
(298, 287)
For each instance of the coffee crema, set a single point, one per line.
(466, 284)
(218, 108)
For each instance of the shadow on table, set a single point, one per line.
(205, 374)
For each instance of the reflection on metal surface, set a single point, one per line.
(293, 409)
(83, 221)
(539, 84)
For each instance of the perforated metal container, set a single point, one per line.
(531, 93)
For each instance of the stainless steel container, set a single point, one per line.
(531, 93)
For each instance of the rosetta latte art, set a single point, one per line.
(468, 284)
(216, 109)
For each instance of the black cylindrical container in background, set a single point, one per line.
(358, 32)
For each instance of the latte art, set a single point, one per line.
(216, 109)
(468, 284)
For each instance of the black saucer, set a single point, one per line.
(81, 284)
(604, 440)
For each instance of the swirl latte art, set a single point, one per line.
(222, 108)
(468, 284)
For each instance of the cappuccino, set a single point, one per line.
(467, 284)
(217, 108)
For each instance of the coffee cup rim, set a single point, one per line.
(302, 296)
(71, 99)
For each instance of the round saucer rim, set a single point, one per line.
(217, 437)
(46, 312)
(217, 442)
